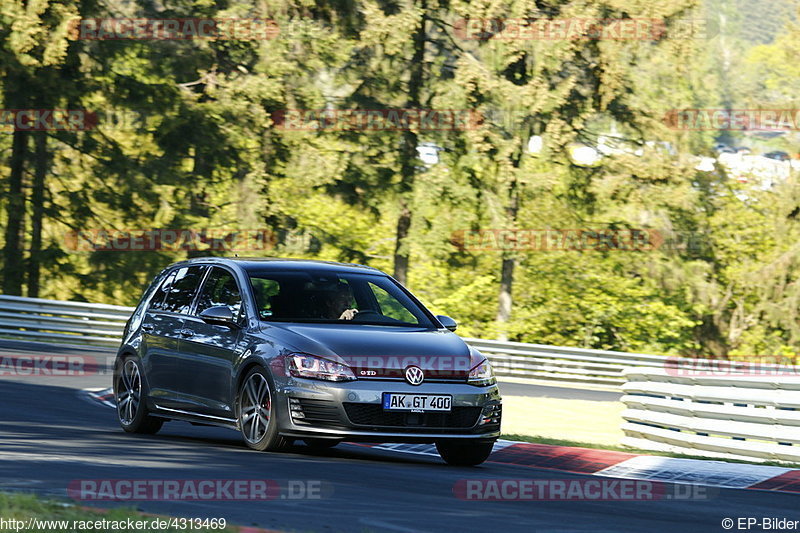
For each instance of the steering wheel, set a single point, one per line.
(366, 314)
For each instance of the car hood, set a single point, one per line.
(381, 351)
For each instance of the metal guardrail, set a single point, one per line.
(577, 365)
(735, 416)
(58, 321)
(100, 324)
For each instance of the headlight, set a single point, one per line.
(482, 375)
(301, 365)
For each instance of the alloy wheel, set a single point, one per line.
(255, 407)
(129, 392)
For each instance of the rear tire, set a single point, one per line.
(464, 454)
(130, 391)
(256, 412)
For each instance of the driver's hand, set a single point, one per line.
(348, 314)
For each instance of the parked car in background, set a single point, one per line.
(722, 148)
(777, 155)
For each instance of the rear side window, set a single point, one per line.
(179, 289)
(264, 290)
(157, 301)
(220, 288)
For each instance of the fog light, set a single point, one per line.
(295, 408)
(491, 414)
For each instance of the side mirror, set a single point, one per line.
(220, 315)
(447, 322)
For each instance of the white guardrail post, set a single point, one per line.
(698, 409)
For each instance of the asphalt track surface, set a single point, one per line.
(51, 436)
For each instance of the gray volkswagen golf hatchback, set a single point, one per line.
(282, 350)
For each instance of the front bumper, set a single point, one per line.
(353, 411)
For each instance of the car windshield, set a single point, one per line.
(334, 297)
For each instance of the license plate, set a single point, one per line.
(418, 403)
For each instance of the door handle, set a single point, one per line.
(148, 327)
(187, 333)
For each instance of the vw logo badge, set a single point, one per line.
(414, 375)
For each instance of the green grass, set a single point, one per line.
(577, 420)
(23, 507)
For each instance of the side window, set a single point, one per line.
(391, 307)
(157, 301)
(266, 291)
(182, 289)
(220, 288)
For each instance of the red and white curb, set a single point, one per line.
(609, 463)
(606, 463)
(101, 396)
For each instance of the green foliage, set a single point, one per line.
(586, 300)
(200, 148)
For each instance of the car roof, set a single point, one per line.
(281, 264)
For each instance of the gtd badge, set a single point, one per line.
(414, 375)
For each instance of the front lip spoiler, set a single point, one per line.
(370, 436)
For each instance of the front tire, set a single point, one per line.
(130, 391)
(464, 454)
(257, 413)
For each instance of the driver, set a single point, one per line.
(338, 304)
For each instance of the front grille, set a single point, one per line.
(317, 412)
(372, 414)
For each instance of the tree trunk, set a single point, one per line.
(401, 255)
(408, 151)
(505, 300)
(13, 267)
(41, 166)
(198, 208)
